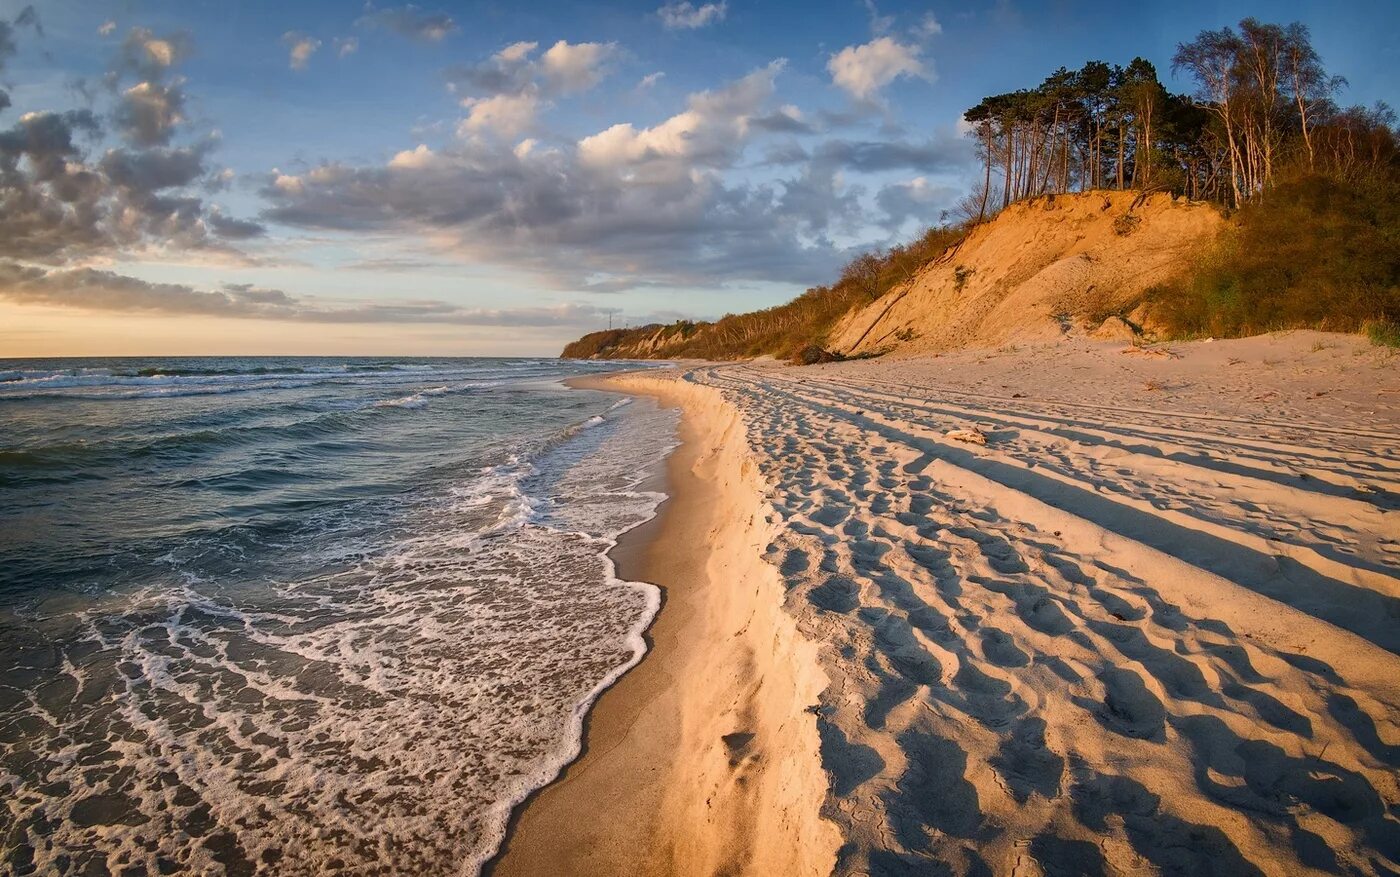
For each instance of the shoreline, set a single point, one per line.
(638, 637)
(625, 557)
(700, 756)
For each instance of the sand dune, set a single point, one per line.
(1151, 626)
(1043, 267)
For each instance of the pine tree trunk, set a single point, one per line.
(1120, 156)
(1006, 183)
(987, 184)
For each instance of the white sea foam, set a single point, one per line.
(414, 400)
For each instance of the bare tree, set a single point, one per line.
(1211, 58)
(1312, 87)
(863, 273)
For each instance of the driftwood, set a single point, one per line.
(1152, 351)
(972, 435)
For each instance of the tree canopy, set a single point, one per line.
(1264, 106)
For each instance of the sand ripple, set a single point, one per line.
(1137, 632)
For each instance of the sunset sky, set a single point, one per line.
(497, 178)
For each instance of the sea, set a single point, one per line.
(305, 615)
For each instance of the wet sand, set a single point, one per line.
(702, 759)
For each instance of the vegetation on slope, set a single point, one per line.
(796, 330)
(1315, 252)
(1315, 241)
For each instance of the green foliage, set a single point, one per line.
(813, 354)
(1314, 242)
(598, 344)
(1316, 252)
(1126, 224)
(1384, 333)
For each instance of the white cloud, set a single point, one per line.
(506, 115)
(879, 24)
(920, 189)
(288, 183)
(301, 48)
(686, 16)
(709, 132)
(920, 199)
(505, 92)
(149, 111)
(413, 159)
(864, 70)
(146, 56)
(107, 28)
(516, 52)
(563, 68)
(160, 52)
(573, 67)
(928, 27)
(64, 205)
(346, 46)
(651, 79)
(632, 206)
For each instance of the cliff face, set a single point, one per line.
(1042, 268)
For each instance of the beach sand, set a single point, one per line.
(1080, 608)
(702, 759)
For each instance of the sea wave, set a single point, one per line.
(414, 400)
(158, 381)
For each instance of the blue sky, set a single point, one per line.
(498, 177)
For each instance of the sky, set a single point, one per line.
(221, 178)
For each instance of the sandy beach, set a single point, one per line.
(703, 759)
(1084, 608)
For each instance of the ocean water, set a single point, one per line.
(304, 616)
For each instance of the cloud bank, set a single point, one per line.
(94, 290)
(627, 206)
